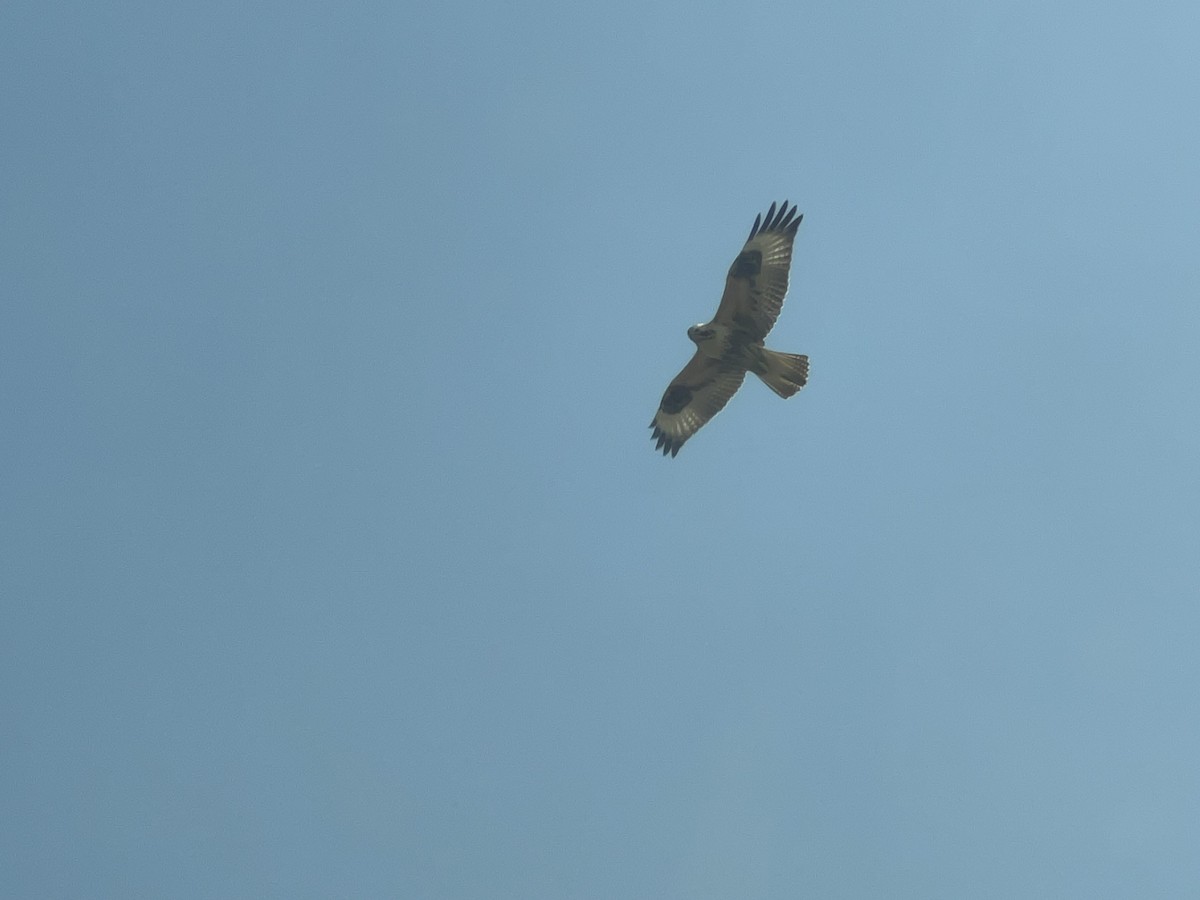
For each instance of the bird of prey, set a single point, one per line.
(732, 343)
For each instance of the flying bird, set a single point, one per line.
(732, 343)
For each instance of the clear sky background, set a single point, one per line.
(338, 561)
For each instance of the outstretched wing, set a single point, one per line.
(758, 279)
(697, 394)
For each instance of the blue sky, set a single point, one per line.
(337, 557)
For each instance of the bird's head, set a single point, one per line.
(701, 333)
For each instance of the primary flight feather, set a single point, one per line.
(732, 343)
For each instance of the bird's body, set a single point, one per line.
(732, 343)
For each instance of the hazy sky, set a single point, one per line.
(337, 558)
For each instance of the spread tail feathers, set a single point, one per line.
(786, 372)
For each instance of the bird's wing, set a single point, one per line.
(696, 395)
(758, 279)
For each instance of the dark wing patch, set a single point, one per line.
(747, 265)
(758, 279)
(676, 398)
(697, 394)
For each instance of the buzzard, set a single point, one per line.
(732, 343)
